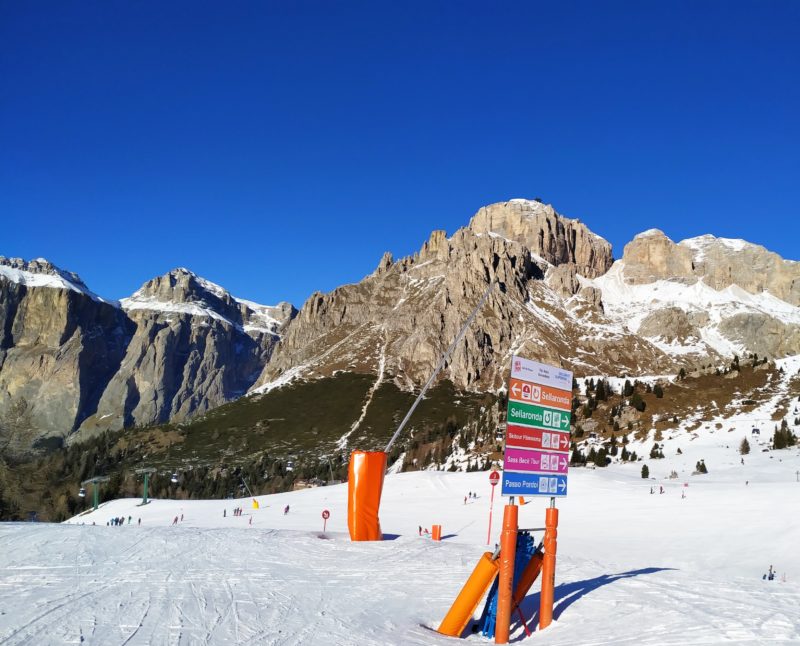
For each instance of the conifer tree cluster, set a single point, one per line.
(744, 447)
(700, 467)
(783, 437)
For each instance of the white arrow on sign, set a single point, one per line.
(562, 485)
(563, 463)
(514, 390)
(564, 441)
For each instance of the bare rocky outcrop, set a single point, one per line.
(718, 262)
(71, 362)
(556, 239)
(400, 319)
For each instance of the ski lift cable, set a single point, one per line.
(442, 361)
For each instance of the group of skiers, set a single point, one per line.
(772, 574)
(237, 511)
(119, 521)
(470, 496)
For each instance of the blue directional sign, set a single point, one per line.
(534, 484)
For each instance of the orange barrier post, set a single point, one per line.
(470, 596)
(508, 552)
(436, 532)
(364, 488)
(548, 568)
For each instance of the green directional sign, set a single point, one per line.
(540, 416)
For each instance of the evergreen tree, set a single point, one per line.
(645, 471)
(658, 391)
(744, 447)
(627, 389)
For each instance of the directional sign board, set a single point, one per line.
(536, 458)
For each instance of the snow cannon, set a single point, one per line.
(364, 488)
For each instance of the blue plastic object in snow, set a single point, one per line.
(526, 548)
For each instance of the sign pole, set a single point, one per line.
(325, 515)
(548, 565)
(494, 478)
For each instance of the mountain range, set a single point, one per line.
(73, 364)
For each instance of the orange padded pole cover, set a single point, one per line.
(436, 532)
(528, 576)
(364, 487)
(508, 552)
(548, 568)
(470, 596)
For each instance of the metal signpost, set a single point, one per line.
(537, 435)
(535, 463)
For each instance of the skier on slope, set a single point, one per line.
(286, 510)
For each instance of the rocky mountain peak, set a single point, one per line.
(42, 273)
(719, 262)
(549, 235)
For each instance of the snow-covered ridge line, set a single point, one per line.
(55, 278)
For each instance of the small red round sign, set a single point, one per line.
(326, 514)
(494, 478)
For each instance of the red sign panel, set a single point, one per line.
(523, 437)
(494, 478)
(326, 514)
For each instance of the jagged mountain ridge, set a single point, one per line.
(181, 345)
(71, 362)
(562, 299)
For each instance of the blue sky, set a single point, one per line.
(279, 148)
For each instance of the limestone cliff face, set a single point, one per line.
(398, 321)
(718, 262)
(59, 346)
(71, 362)
(705, 296)
(194, 347)
(546, 234)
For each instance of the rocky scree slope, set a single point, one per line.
(71, 362)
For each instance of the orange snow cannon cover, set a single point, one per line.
(364, 488)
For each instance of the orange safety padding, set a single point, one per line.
(528, 576)
(436, 532)
(548, 567)
(470, 596)
(364, 488)
(508, 552)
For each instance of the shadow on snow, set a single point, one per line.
(566, 594)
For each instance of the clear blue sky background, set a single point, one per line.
(278, 148)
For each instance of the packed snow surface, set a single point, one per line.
(633, 567)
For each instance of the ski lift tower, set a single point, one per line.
(95, 489)
(146, 471)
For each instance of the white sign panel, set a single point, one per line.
(540, 373)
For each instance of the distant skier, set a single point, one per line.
(175, 522)
(465, 500)
(224, 513)
(130, 518)
(250, 522)
(420, 530)
(661, 489)
(651, 490)
(140, 522)
(181, 517)
(286, 510)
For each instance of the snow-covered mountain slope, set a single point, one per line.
(42, 273)
(682, 318)
(632, 567)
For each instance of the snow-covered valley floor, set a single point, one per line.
(633, 567)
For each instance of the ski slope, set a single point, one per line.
(633, 568)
